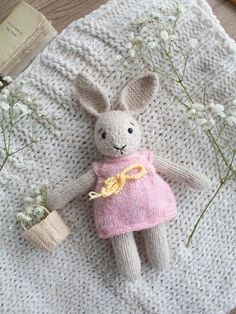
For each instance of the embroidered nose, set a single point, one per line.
(120, 148)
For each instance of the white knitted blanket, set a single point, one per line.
(81, 276)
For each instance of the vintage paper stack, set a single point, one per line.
(23, 34)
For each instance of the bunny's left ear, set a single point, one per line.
(91, 96)
(138, 92)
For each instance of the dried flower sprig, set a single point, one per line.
(35, 209)
(154, 37)
(17, 107)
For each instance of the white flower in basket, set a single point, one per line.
(44, 229)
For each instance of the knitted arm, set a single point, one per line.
(64, 194)
(193, 178)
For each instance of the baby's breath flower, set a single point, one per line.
(234, 102)
(39, 199)
(126, 64)
(231, 120)
(118, 57)
(7, 79)
(152, 44)
(212, 121)
(156, 14)
(211, 103)
(172, 37)
(35, 189)
(131, 36)
(28, 99)
(198, 107)
(202, 121)
(5, 93)
(140, 21)
(4, 105)
(23, 217)
(42, 113)
(19, 86)
(28, 209)
(171, 18)
(39, 210)
(164, 35)
(180, 8)
(199, 115)
(218, 109)
(45, 182)
(192, 112)
(138, 38)
(57, 134)
(22, 108)
(31, 215)
(28, 200)
(193, 43)
(132, 52)
(14, 100)
(149, 39)
(144, 30)
(128, 45)
(34, 211)
(162, 10)
(1, 84)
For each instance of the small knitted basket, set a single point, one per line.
(47, 234)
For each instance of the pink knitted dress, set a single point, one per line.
(141, 204)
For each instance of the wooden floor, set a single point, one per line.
(63, 12)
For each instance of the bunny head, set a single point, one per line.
(116, 132)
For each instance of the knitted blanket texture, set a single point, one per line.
(80, 276)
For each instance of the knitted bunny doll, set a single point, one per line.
(129, 194)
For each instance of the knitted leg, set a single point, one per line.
(127, 257)
(157, 246)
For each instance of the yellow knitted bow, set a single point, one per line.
(114, 185)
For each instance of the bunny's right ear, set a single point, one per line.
(91, 96)
(139, 92)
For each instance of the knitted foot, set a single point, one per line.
(127, 257)
(157, 247)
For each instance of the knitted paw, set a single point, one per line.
(52, 200)
(56, 199)
(196, 180)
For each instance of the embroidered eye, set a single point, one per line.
(130, 130)
(104, 135)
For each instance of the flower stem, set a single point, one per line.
(4, 162)
(202, 213)
(223, 181)
(11, 116)
(180, 79)
(220, 151)
(23, 147)
(185, 65)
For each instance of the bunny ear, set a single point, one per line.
(138, 92)
(91, 96)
